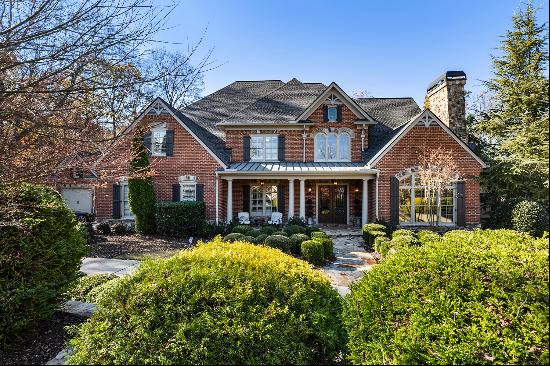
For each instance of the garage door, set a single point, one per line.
(78, 199)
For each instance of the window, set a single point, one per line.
(332, 114)
(158, 142)
(124, 202)
(188, 188)
(417, 209)
(333, 147)
(263, 148)
(263, 200)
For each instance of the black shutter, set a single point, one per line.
(175, 192)
(460, 205)
(281, 142)
(246, 148)
(339, 114)
(200, 192)
(116, 201)
(281, 199)
(246, 198)
(169, 142)
(147, 142)
(325, 113)
(394, 200)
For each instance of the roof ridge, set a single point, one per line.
(364, 98)
(256, 81)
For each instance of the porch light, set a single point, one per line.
(309, 189)
(261, 182)
(356, 189)
(335, 182)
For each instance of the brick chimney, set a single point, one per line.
(445, 98)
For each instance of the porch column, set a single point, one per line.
(229, 200)
(290, 198)
(303, 198)
(365, 202)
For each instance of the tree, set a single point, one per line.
(141, 194)
(513, 121)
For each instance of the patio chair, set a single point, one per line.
(276, 218)
(244, 218)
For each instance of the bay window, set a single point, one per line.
(263, 200)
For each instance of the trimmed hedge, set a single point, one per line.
(296, 242)
(247, 238)
(39, 256)
(328, 247)
(530, 217)
(280, 242)
(318, 235)
(260, 239)
(88, 288)
(311, 229)
(280, 232)
(233, 237)
(219, 303)
(254, 233)
(381, 244)
(402, 232)
(294, 229)
(367, 229)
(471, 298)
(242, 229)
(427, 236)
(313, 251)
(268, 230)
(180, 219)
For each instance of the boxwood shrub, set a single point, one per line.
(268, 230)
(40, 252)
(180, 219)
(318, 235)
(280, 242)
(311, 229)
(260, 239)
(367, 229)
(328, 247)
(470, 298)
(242, 229)
(530, 217)
(427, 236)
(219, 303)
(296, 241)
(86, 288)
(280, 232)
(254, 233)
(294, 229)
(313, 252)
(381, 244)
(402, 232)
(248, 238)
(233, 237)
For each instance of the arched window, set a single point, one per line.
(416, 207)
(333, 147)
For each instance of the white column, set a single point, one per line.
(290, 198)
(229, 200)
(365, 202)
(217, 199)
(303, 198)
(376, 198)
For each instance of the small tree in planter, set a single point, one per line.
(141, 194)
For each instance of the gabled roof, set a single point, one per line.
(391, 112)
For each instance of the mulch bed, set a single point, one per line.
(42, 344)
(110, 246)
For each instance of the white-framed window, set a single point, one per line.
(263, 200)
(332, 113)
(415, 208)
(333, 147)
(264, 148)
(158, 142)
(188, 188)
(125, 210)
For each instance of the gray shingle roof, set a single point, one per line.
(392, 112)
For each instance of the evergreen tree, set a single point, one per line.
(141, 194)
(515, 129)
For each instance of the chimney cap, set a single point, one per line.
(449, 75)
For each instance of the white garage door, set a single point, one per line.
(78, 199)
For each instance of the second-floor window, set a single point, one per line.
(158, 142)
(263, 148)
(332, 114)
(333, 147)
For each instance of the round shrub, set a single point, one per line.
(241, 229)
(328, 247)
(318, 235)
(501, 217)
(296, 241)
(427, 236)
(381, 244)
(280, 232)
(402, 232)
(279, 242)
(233, 237)
(219, 303)
(372, 237)
(294, 229)
(470, 298)
(310, 229)
(268, 230)
(40, 251)
(530, 217)
(248, 238)
(313, 251)
(254, 233)
(260, 239)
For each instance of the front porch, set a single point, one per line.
(320, 193)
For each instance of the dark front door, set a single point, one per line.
(333, 204)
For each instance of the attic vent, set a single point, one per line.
(157, 108)
(187, 179)
(333, 99)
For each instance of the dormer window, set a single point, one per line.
(332, 113)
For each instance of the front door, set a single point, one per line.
(333, 204)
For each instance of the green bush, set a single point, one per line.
(210, 230)
(279, 242)
(367, 229)
(268, 230)
(40, 252)
(328, 247)
(254, 233)
(372, 237)
(295, 220)
(530, 217)
(318, 235)
(260, 239)
(471, 298)
(313, 251)
(501, 216)
(402, 232)
(294, 229)
(219, 303)
(381, 244)
(427, 236)
(242, 229)
(296, 241)
(247, 238)
(280, 232)
(86, 288)
(180, 219)
(233, 237)
(311, 229)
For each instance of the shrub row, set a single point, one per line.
(180, 219)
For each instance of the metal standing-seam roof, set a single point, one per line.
(289, 167)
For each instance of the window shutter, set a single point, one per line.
(246, 148)
(175, 192)
(116, 201)
(460, 205)
(394, 200)
(169, 142)
(281, 199)
(147, 142)
(339, 113)
(281, 142)
(200, 192)
(325, 113)
(246, 198)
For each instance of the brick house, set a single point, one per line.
(302, 149)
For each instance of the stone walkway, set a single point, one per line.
(351, 258)
(118, 267)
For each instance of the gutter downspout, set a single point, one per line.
(377, 178)
(217, 199)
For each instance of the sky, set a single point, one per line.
(388, 48)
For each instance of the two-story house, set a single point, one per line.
(302, 149)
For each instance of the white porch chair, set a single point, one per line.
(244, 218)
(276, 218)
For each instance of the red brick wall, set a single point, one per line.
(189, 158)
(407, 153)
